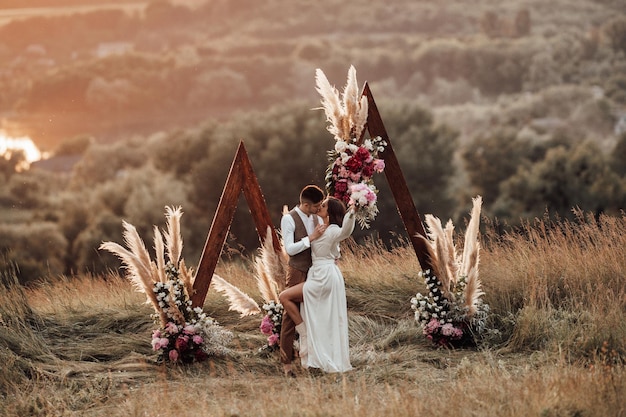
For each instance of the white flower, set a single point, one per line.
(340, 146)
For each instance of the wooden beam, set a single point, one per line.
(397, 183)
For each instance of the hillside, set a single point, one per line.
(522, 103)
(112, 74)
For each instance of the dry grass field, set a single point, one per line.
(80, 346)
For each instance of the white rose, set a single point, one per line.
(340, 146)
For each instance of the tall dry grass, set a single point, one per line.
(80, 346)
(563, 283)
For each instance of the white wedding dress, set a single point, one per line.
(324, 309)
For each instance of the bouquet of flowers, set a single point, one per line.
(270, 278)
(452, 313)
(184, 334)
(271, 324)
(354, 160)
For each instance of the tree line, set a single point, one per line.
(62, 218)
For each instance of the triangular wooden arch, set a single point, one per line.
(241, 178)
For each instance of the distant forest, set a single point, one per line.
(521, 102)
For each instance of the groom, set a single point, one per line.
(298, 229)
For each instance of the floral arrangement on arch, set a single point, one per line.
(184, 334)
(452, 313)
(270, 278)
(354, 160)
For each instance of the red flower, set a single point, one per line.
(368, 170)
(200, 355)
(362, 154)
(181, 343)
(341, 187)
(354, 164)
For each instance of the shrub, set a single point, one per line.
(38, 249)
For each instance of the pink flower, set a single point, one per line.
(356, 176)
(379, 165)
(457, 333)
(189, 329)
(171, 327)
(156, 334)
(197, 339)
(447, 329)
(266, 325)
(173, 355)
(159, 342)
(431, 327)
(273, 339)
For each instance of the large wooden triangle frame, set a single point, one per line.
(241, 178)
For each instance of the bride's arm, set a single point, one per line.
(347, 227)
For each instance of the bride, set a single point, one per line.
(323, 322)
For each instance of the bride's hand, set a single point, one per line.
(319, 231)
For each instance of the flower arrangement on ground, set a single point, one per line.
(354, 160)
(270, 278)
(184, 334)
(271, 324)
(452, 313)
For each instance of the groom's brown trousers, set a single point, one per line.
(288, 327)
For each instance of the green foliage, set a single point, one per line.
(492, 159)
(564, 179)
(38, 249)
(425, 152)
(76, 145)
(102, 163)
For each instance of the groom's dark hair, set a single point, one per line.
(311, 194)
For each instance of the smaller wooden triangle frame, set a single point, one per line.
(241, 178)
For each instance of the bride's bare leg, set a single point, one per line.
(290, 298)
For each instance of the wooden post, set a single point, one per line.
(240, 178)
(397, 183)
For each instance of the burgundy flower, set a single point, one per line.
(341, 187)
(354, 164)
(368, 170)
(362, 154)
(200, 355)
(181, 343)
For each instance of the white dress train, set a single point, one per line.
(324, 308)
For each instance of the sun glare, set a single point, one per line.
(25, 144)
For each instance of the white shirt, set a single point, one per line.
(288, 227)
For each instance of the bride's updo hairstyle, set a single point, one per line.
(336, 211)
